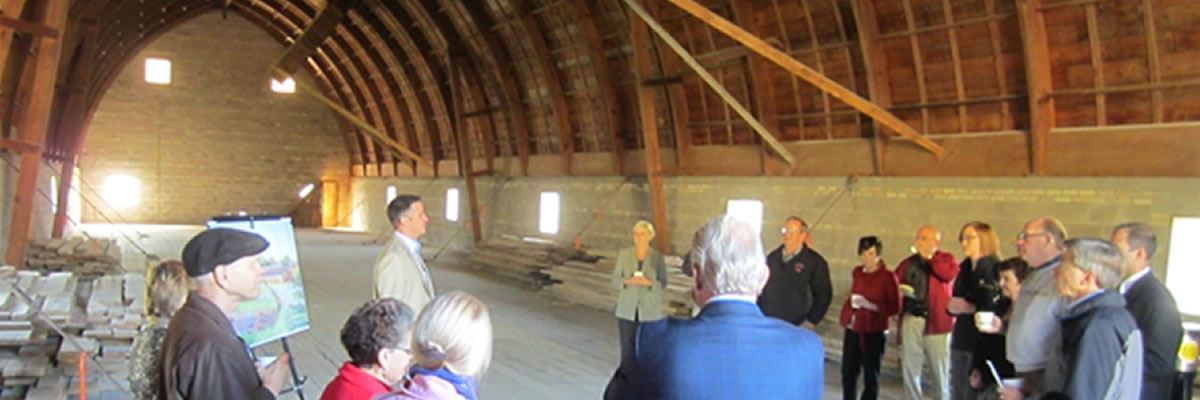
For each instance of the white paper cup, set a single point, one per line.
(985, 319)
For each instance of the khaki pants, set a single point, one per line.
(916, 347)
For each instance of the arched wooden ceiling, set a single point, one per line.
(556, 76)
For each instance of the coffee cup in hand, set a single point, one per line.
(985, 320)
(857, 301)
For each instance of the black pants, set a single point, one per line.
(861, 351)
(628, 331)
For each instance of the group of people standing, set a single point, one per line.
(1077, 318)
(407, 343)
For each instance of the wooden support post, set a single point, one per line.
(1093, 28)
(1037, 78)
(878, 86)
(64, 198)
(13, 8)
(676, 99)
(649, 120)
(32, 127)
(465, 168)
(1152, 57)
(710, 80)
(488, 126)
(813, 77)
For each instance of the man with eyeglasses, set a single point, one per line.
(798, 290)
(1035, 329)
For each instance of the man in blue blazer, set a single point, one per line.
(731, 350)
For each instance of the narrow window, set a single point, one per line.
(747, 210)
(551, 205)
(452, 204)
(1182, 259)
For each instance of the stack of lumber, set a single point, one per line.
(114, 315)
(85, 257)
(569, 274)
(523, 260)
(100, 316)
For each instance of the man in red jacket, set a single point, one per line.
(926, 281)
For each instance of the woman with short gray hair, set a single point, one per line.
(641, 276)
(378, 337)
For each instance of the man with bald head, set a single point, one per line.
(926, 280)
(1034, 329)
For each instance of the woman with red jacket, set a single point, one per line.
(874, 298)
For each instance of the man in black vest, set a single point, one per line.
(798, 290)
(1152, 307)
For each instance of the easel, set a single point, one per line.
(298, 381)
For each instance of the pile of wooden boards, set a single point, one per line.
(84, 256)
(99, 316)
(521, 260)
(569, 274)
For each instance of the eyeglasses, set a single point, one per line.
(1024, 237)
(784, 231)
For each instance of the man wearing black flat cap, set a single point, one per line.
(202, 356)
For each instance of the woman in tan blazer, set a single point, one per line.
(641, 275)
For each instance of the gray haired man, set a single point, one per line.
(1101, 354)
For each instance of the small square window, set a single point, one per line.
(452, 204)
(548, 213)
(158, 71)
(122, 191)
(747, 210)
(287, 86)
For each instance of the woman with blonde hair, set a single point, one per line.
(166, 290)
(976, 289)
(641, 276)
(452, 349)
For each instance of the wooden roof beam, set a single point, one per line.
(1038, 81)
(554, 84)
(586, 19)
(711, 81)
(317, 32)
(804, 72)
(878, 86)
(477, 17)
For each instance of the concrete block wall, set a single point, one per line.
(891, 208)
(216, 139)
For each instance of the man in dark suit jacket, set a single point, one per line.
(1153, 309)
(731, 350)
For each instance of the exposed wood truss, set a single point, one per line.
(799, 69)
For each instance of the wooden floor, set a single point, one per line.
(543, 350)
